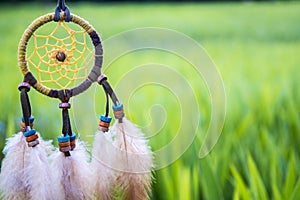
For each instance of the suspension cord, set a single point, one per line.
(102, 80)
(66, 129)
(117, 107)
(24, 87)
(27, 120)
(107, 105)
(61, 6)
(64, 96)
(110, 91)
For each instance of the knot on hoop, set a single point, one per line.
(24, 85)
(101, 78)
(65, 105)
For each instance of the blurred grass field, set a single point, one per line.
(256, 48)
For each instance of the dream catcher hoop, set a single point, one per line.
(60, 55)
(60, 65)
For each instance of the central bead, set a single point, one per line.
(61, 56)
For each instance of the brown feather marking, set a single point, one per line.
(135, 186)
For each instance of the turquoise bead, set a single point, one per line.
(105, 119)
(73, 137)
(117, 107)
(29, 133)
(31, 119)
(63, 138)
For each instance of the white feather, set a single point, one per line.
(133, 160)
(103, 175)
(12, 184)
(72, 174)
(25, 173)
(38, 180)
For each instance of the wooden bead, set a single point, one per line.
(32, 138)
(33, 143)
(119, 112)
(23, 129)
(65, 149)
(73, 144)
(64, 144)
(73, 147)
(24, 126)
(104, 124)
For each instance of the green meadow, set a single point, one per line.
(255, 47)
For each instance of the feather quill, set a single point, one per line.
(133, 161)
(103, 175)
(72, 174)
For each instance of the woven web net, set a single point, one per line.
(59, 54)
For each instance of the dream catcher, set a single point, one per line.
(55, 53)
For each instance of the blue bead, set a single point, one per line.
(29, 133)
(63, 138)
(117, 107)
(31, 119)
(73, 137)
(105, 119)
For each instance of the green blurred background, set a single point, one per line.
(256, 48)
